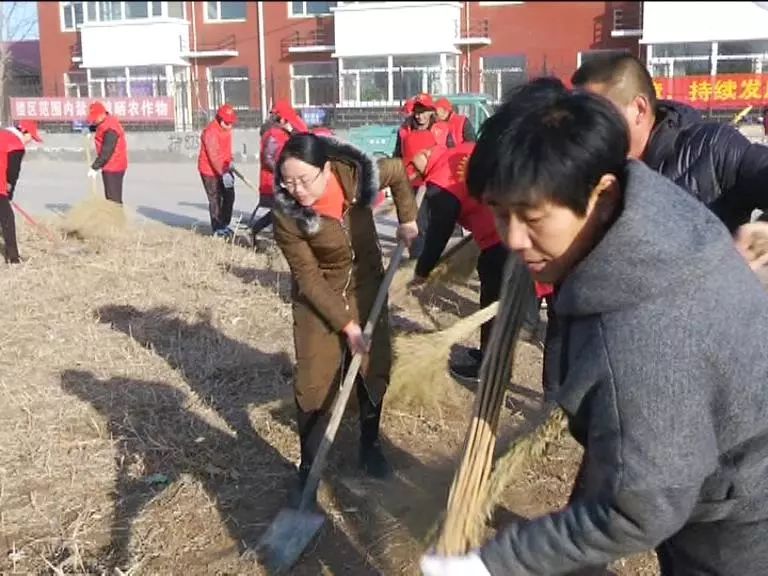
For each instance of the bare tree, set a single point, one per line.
(17, 22)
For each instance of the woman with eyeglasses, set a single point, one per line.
(324, 225)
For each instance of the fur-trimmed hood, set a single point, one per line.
(358, 175)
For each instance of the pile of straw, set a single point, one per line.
(95, 217)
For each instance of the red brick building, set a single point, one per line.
(317, 54)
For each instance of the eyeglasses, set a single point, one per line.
(291, 186)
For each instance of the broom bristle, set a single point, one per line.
(94, 217)
(520, 454)
(420, 359)
(456, 266)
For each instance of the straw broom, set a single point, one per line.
(470, 484)
(520, 454)
(419, 359)
(456, 266)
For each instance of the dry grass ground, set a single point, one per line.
(146, 420)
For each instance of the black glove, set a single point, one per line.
(11, 188)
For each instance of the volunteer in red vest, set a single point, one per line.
(284, 122)
(421, 122)
(460, 126)
(215, 166)
(111, 151)
(451, 203)
(13, 142)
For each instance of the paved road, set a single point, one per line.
(168, 193)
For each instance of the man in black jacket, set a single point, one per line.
(714, 162)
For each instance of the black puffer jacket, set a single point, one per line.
(714, 162)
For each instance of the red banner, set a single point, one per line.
(724, 91)
(143, 109)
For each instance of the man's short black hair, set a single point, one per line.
(624, 75)
(547, 143)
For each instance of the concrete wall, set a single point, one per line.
(148, 147)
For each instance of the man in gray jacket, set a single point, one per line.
(663, 369)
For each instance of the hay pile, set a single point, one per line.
(96, 217)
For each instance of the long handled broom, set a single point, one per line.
(292, 531)
(471, 479)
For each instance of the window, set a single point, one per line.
(502, 73)
(148, 81)
(136, 10)
(299, 9)
(390, 80)
(71, 15)
(365, 80)
(176, 9)
(686, 67)
(618, 18)
(110, 11)
(313, 84)
(414, 74)
(108, 83)
(76, 84)
(75, 14)
(751, 47)
(230, 85)
(225, 11)
(685, 49)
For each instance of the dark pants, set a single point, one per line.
(220, 201)
(490, 269)
(422, 221)
(113, 185)
(8, 227)
(312, 426)
(265, 221)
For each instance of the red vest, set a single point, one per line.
(439, 131)
(271, 145)
(9, 143)
(118, 162)
(446, 168)
(456, 123)
(215, 150)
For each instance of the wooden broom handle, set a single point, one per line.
(340, 403)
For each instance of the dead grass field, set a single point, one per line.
(146, 418)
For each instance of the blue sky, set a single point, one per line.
(23, 14)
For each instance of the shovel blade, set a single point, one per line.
(287, 537)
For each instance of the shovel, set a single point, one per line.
(293, 529)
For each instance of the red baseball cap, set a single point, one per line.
(408, 107)
(424, 100)
(285, 111)
(227, 113)
(444, 104)
(95, 110)
(30, 127)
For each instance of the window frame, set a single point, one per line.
(305, 14)
(218, 85)
(164, 13)
(333, 75)
(219, 19)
